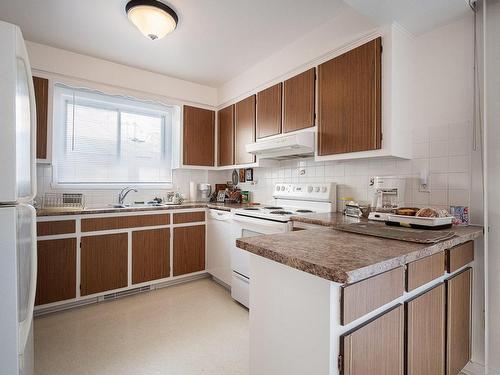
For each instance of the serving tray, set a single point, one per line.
(397, 233)
(418, 221)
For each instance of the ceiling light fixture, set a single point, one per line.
(153, 18)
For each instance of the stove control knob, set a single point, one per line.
(282, 188)
(277, 188)
(323, 189)
(309, 189)
(316, 189)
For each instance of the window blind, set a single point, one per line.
(106, 139)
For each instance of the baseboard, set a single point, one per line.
(116, 295)
(221, 283)
(474, 368)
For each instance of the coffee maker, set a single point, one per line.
(388, 195)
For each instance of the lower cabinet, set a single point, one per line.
(56, 274)
(458, 330)
(104, 261)
(189, 249)
(375, 348)
(425, 327)
(150, 255)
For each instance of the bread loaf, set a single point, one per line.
(432, 212)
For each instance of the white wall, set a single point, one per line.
(344, 28)
(74, 65)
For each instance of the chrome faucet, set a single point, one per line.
(124, 193)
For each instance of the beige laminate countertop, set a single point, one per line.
(345, 257)
(108, 210)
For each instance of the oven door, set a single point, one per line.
(249, 227)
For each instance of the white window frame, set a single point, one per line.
(131, 109)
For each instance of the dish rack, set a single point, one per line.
(71, 201)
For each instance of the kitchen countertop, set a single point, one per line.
(108, 210)
(345, 257)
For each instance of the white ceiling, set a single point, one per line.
(416, 16)
(215, 40)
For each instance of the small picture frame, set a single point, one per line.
(249, 174)
(242, 175)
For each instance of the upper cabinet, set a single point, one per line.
(349, 102)
(198, 137)
(41, 86)
(269, 111)
(298, 101)
(364, 99)
(244, 130)
(226, 136)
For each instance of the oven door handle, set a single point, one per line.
(259, 222)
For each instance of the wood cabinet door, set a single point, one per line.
(104, 261)
(226, 136)
(458, 329)
(298, 101)
(425, 325)
(42, 103)
(268, 109)
(56, 272)
(349, 102)
(375, 348)
(198, 136)
(244, 129)
(150, 255)
(189, 249)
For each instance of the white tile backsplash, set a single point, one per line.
(100, 197)
(439, 165)
(441, 151)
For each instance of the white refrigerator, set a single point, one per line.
(17, 216)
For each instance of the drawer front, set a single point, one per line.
(49, 228)
(121, 222)
(189, 217)
(365, 296)
(459, 256)
(424, 270)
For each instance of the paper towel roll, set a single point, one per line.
(193, 191)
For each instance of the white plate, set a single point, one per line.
(427, 221)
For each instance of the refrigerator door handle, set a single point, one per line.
(22, 54)
(31, 89)
(25, 325)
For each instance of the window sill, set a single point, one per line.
(90, 186)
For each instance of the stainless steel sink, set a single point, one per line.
(135, 205)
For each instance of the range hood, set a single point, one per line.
(284, 147)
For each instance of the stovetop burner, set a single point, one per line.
(282, 212)
(304, 211)
(273, 208)
(251, 209)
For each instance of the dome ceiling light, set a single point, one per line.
(153, 18)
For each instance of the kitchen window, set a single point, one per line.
(106, 140)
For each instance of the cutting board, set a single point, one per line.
(397, 233)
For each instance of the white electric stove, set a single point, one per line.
(288, 200)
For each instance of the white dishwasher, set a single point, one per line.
(219, 244)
